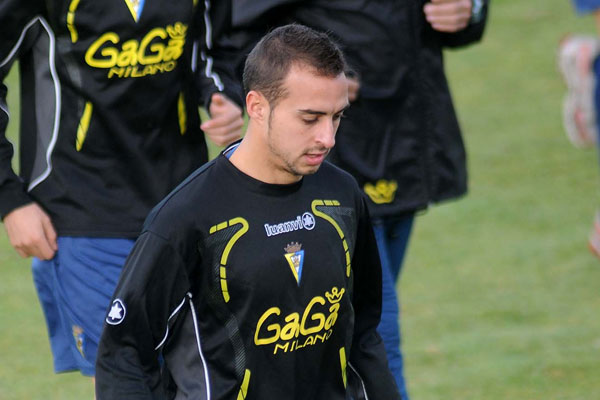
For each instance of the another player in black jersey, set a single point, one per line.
(258, 277)
(109, 126)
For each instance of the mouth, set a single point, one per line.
(315, 158)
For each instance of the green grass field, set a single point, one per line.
(500, 296)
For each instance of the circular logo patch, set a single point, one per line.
(308, 220)
(116, 315)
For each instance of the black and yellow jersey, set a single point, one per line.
(109, 106)
(248, 290)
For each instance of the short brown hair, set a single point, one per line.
(271, 59)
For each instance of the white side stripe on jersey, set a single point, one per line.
(52, 64)
(362, 383)
(170, 317)
(197, 332)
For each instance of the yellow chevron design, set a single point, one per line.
(222, 270)
(335, 203)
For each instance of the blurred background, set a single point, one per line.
(500, 294)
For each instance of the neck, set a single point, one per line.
(252, 157)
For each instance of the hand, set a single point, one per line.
(353, 87)
(30, 232)
(226, 122)
(448, 15)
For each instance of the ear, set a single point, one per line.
(257, 106)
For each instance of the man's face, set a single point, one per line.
(302, 126)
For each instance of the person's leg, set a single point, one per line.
(83, 276)
(398, 235)
(391, 242)
(44, 279)
(594, 239)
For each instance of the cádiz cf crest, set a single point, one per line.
(295, 257)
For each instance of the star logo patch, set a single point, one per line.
(308, 220)
(117, 312)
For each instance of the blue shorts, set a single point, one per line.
(75, 289)
(586, 6)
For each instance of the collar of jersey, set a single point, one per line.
(240, 178)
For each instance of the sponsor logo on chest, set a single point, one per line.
(304, 221)
(157, 52)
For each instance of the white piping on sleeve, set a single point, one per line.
(195, 56)
(51, 61)
(197, 331)
(362, 383)
(170, 317)
(207, 24)
(208, 40)
(210, 73)
(14, 50)
(5, 110)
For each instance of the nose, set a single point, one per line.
(326, 135)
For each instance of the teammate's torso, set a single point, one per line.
(120, 128)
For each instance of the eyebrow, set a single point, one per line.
(314, 112)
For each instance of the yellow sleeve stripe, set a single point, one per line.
(344, 365)
(84, 125)
(182, 114)
(245, 383)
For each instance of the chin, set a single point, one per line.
(311, 170)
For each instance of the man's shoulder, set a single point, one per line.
(331, 171)
(333, 179)
(184, 199)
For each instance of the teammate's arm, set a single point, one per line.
(225, 123)
(368, 361)
(29, 228)
(458, 22)
(152, 285)
(220, 91)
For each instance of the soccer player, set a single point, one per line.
(400, 139)
(258, 277)
(109, 126)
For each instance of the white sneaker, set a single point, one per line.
(576, 55)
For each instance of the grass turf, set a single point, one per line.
(499, 293)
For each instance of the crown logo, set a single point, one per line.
(293, 247)
(335, 296)
(382, 192)
(177, 31)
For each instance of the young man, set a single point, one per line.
(258, 277)
(109, 126)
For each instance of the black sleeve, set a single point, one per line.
(368, 361)
(152, 287)
(17, 25)
(214, 71)
(471, 34)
